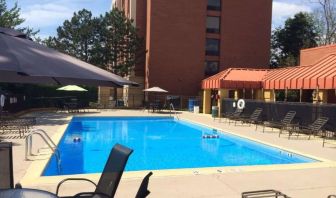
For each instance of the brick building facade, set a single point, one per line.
(186, 41)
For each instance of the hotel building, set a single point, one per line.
(189, 40)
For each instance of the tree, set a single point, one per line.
(325, 17)
(299, 32)
(109, 41)
(10, 18)
(75, 37)
(121, 42)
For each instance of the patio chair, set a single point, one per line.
(286, 121)
(229, 113)
(264, 194)
(328, 135)
(312, 129)
(254, 118)
(143, 190)
(111, 175)
(17, 125)
(235, 115)
(6, 166)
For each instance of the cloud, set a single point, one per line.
(284, 10)
(46, 15)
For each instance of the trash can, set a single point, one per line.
(191, 104)
(214, 111)
(196, 109)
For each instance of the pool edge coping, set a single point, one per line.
(33, 175)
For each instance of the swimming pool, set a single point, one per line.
(158, 143)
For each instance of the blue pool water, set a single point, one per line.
(158, 143)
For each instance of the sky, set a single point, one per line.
(47, 15)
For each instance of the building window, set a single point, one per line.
(213, 24)
(211, 68)
(214, 4)
(212, 47)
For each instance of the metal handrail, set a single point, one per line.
(47, 140)
(172, 108)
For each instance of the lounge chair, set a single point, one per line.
(254, 118)
(264, 194)
(235, 115)
(283, 124)
(143, 190)
(17, 125)
(328, 135)
(312, 129)
(6, 166)
(230, 113)
(110, 178)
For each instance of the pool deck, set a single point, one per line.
(310, 180)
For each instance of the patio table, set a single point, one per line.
(25, 193)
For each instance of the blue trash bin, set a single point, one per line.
(192, 103)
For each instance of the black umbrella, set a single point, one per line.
(25, 61)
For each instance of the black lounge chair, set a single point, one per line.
(283, 124)
(6, 166)
(254, 118)
(143, 190)
(230, 113)
(312, 129)
(328, 135)
(264, 194)
(110, 178)
(17, 125)
(235, 115)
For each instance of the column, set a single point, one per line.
(223, 93)
(206, 101)
(269, 96)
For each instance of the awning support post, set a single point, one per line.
(301, 95)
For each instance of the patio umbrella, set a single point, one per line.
(155, 89)
(25, 61)
(71, 88)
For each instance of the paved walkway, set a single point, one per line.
(308, 182)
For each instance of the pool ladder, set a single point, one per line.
(44, 136)
(172, 108)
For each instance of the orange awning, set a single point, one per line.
(322, 75)
(236, 78)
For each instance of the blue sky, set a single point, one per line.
(47, 15)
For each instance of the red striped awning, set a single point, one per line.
(236, 78)
(321, 74)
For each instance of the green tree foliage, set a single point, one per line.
(10, 18)
(109, 41)
(299, 32)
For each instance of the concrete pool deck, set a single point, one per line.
(298, 181)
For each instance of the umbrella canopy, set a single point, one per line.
(25, 61)
(155, 89)
(71, 88)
